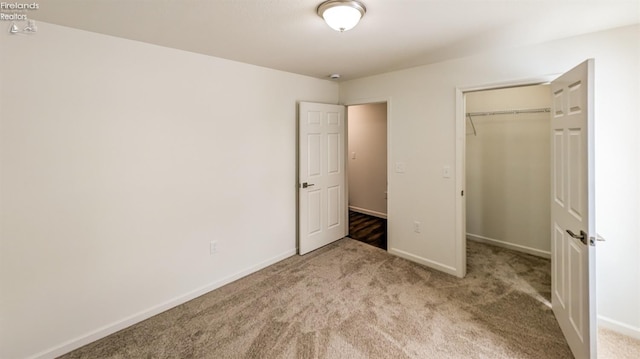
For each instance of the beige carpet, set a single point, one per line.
(612, 345)
(352, 300)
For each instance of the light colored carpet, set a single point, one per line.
(352, 300)
(612, 345)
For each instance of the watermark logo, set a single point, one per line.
(17, 13)
(29, 28)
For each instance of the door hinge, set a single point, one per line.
(462, 193)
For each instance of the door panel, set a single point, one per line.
(322, 217)
(572, 209)
(558, 164)
(313, 211)
(333, 207)
(333, 154)
(576, 270)
(558, 272)
(575, 175)
(313, 155)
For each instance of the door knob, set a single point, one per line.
(582, 237)
(305, 185)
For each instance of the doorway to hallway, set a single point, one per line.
(367, 173)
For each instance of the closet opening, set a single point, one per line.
(367, 173)
(507, 194)
(507, 168)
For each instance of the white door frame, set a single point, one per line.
(368, 101)
(460, 216)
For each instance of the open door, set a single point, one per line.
(322, 208)
(572, 209)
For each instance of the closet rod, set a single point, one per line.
(510, 112)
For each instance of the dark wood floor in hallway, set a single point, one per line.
(368, 229)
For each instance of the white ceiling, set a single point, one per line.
(288, 34)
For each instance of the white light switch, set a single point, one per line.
(446, 172)
(353, 155)
(400, 167)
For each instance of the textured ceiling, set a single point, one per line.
(288, 34)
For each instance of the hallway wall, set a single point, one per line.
(367, 166)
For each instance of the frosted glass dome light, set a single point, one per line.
(341, 15)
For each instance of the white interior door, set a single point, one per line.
(322, 208)
(572, 209)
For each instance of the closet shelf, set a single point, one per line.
(510, 112)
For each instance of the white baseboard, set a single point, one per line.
(368, 212)
(619, 327)
(99, 333)
(427, 262)
(515, 247)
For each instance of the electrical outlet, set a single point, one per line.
(213, 247)
(417, 227)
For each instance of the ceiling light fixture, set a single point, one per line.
(341, 15)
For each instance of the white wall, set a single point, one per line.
(422, 135)
(120, 162)
(368, 170)
(507, 169)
